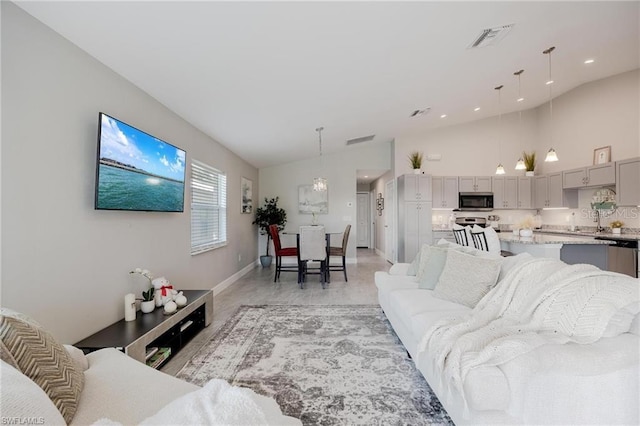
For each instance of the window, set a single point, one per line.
(208, 208)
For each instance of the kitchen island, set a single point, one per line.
(569, 249)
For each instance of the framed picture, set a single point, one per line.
(602, 155)
(310, 201)
(246, 195)
(379, 204)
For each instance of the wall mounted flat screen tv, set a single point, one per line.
(137, 171)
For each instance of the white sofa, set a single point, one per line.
(554, 383)
(43, 382)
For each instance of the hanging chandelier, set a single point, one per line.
(320, 183)
(500, 168)
(520, 163)
(551, 155)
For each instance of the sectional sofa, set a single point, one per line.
(521, 341)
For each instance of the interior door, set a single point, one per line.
(389, 221)
(362, 226)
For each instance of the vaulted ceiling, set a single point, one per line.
(260, 77)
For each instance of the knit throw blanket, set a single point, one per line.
(539, 301)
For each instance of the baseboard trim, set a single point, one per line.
(234, 278)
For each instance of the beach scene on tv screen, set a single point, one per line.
(138, 171)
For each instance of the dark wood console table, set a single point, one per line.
(155, 328)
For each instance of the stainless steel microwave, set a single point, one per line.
(475, 201)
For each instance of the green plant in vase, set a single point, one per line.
(415, 159)
(269, 214)
(529, 162)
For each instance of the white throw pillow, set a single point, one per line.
(467, 230)
(413, 267)
(433, 267)
(493, 242)
(465, 278)
(423, 258)
(464, 249)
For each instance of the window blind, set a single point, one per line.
(208, 208)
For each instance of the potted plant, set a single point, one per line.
(616, 226)
(148, 303)
(529, 162)
(415, 159)
(269, 214)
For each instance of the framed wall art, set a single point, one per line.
(310, 201)
(246, 195)
(602, 155)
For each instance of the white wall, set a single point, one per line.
(64, 263)
(471, 149)
(340, 170)
(596, 114)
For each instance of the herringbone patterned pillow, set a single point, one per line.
(35, 353)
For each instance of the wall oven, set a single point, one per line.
(475, 201)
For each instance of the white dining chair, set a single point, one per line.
(312, 247)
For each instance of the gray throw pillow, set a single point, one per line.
(433, 268)
(465, 278)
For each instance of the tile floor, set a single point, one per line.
(257, 288)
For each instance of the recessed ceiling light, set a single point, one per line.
(476, 109)
(443, 116)
(549, 82)
(589, 61)
(366, 176)
(520, 99)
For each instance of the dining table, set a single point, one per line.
(328, 235)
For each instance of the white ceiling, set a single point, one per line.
(259, 77)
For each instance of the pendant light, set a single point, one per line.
(320, 183)
(520, 164)
(500, 168)
(551, 155)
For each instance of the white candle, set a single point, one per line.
(130, 307)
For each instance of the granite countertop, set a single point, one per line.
(624, 236)
(550, 239)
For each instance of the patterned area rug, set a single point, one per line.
(326, 365)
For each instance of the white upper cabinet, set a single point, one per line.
(505, 192)
(525, 192)
(628, 182)
(445, 191)
(550, 194)
(417, 187)
(598, 175)
(474, 183)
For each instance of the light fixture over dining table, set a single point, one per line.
(320, 183)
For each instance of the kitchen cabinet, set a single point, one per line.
(474, 184)
(548, 193)
(628, 182)
(415, 187)
(444, 191)
(414, 215)
(525, 192)
(505, 192)
(598, 175)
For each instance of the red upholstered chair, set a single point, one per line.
(282, 252)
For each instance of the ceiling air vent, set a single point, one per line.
(491, 36)
(360, 140)
(420, 112)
